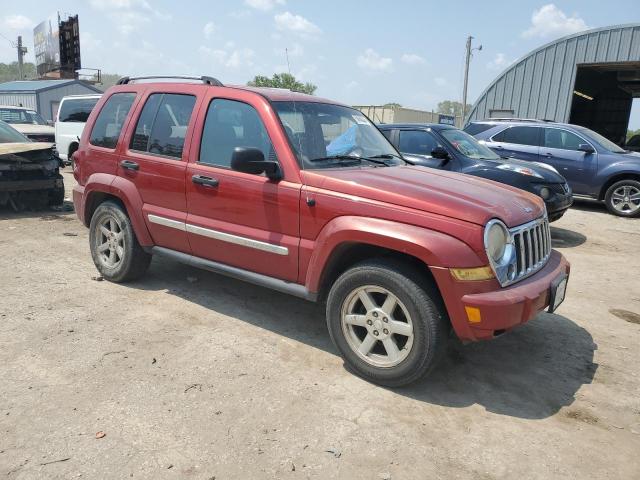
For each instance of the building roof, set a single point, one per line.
(31, 86)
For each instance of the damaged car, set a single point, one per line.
(29, 172)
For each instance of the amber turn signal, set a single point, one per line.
(466, 274)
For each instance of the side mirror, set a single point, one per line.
(586, 148)
(251, 160)
(440, 153)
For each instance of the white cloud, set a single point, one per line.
(264, 5)
(17, 22)
(373, 61)
(129, 15)
(208, 30)
(499, 62)
(351, 85)
(241, 57)
(440, 81)
(550, 21)
(287, 21)
(412, 59)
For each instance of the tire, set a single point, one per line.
(72, 149)
(124, 259)
(418, 305)
(623, 198)
(56, 197)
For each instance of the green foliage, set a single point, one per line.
(108, 80)
(392, 105)
(283, 80)
(9, 71)
(631, 133)
(451, 107)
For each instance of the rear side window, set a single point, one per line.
(76, 109)
(163, 123)
(110, 120)
(230, 124)
(519, 136)
(387, 133)
(476, 128)
(556, 138)
(417, 142)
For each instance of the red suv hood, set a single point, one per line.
(454, 195)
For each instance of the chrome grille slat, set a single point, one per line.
(532, 242)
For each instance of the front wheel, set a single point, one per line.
(623, 198)
(114, 247)
(387, 321)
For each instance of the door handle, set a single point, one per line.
(549, 154)
(129, 165)
(205, 181)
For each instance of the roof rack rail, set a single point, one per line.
(204, 79)
(515, 119)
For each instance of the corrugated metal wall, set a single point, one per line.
(48, 98)
(16, 99)
(540, 85)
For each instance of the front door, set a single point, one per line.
(240, 219)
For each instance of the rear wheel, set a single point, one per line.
(387, 321)
(623, 198)
(114, 247)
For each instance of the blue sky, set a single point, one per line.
(357, 52)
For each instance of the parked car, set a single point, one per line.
(29, 171)
(594, 166)
(28, 122)
(633, 144)
(73, 112)
(447, 148)
(306, 196)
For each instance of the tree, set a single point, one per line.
(9, 71)
(631, 133)
(451, 107)
(107, 80)
(283, 80)
(392, 105)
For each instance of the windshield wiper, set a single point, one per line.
(390, 156)
(350, 158)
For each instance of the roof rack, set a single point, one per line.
(204, 79)
(512, 119)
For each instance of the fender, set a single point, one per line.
(435, 249)
(629, 168)
(127, 192)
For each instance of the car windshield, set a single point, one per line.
(604, 142)
(325, 135)
(9, 134)
(18, 115)
(468, 145)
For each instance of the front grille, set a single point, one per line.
(533, 247)
(41, 137)
(561, 188)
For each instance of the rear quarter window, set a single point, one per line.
(108, 125)
(476, 128)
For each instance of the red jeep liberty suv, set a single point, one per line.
(306, 196)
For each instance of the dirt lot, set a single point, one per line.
(193, 375)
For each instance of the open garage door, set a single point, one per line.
(602, 97)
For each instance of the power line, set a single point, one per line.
(13, 44)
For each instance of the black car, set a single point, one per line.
(449, 148)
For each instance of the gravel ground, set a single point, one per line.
(186, 374)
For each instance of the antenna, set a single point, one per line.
(286, 53)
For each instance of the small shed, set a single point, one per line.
(43, 96)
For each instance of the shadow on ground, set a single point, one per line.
(563, 238)
(65, 211)
(530, 372)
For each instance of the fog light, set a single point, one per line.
(545, 193)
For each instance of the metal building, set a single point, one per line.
(397, 114)
(589, 78)
(43, 96)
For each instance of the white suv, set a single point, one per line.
(72, 116)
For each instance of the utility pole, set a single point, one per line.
(21, 52)
(466, 75)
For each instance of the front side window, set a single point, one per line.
(519, 136)
(322, 135)
(106, 130)
(230, 124)
(9, 134)
(162, 126)
(17, 115)
(76, 109)
(563, 139)
(603, 141)
(468, 145)
(417, 142)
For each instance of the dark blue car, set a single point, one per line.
(594, 166)
(448, 148)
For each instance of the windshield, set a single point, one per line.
(11, 135)
(17, 115)
(468, 145)
(321, 132)
(604, 142)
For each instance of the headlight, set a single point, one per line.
(500, 250)
(519, 169)
(545, 193)
(547, 166)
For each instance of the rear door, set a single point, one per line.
(560, 150)
(155, 159)
(522, 142)
(240, 219)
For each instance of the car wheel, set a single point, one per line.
(623, 198)
(56, 196)
(388, 322)
(114, 247)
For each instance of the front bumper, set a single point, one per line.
(501, 309)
